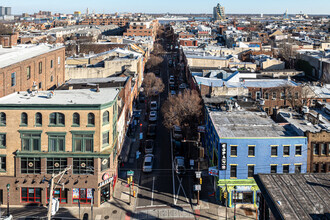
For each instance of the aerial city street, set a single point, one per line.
(176, 110)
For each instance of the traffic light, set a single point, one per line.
(225, 195)
(200, 181)
(128, 180)
(131, 178)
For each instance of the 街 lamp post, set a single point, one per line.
(8, 187)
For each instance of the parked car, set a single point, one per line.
(173, 92)
(183, 86)
(141, 98)
(153, 116)
(153, 106)
(179, 165)
(172, 81)
(151, 132)
(149, 146)
(177, 132)
(148, 163)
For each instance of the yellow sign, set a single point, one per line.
(225, 195)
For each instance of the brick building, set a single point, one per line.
(9, 40)
(121, 22)
(144, 28)
(43, 133)
(22, 66)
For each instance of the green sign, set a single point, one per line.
(130, 173)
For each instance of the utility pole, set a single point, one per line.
(49, 214)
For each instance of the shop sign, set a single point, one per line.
(105, 176)
(105, 182)
(213, 171)
(89, 193)
(223, 161)
(75, 193)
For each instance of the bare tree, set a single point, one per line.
(158, 49)
(152, 85)
(4, 29)
(153, 62)
(183, 110)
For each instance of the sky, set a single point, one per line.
(171, 6)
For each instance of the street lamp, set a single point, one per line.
(8, 187)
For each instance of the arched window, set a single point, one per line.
(38, 119)
(57, 119)
(105, 117)
(24, 119)
(76, 119)
(2, 119)
(91, 119)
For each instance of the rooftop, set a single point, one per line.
(10, 56)
(268, 83)
(62, 97)
(242, 123)
(296, 196)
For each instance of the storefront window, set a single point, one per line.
(60, 194)
(242, 197)
(82, 195)
(31, 195)
(105, 193)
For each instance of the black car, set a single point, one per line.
(151, 132)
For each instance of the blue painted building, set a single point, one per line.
(242, 143)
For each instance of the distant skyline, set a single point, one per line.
(171, 6)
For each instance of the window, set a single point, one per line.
(105, 117)
(2, 140)
(266, 95)
(2, 163)
(91, 119)
(57, 119)
(38, 119)
(315, 168)
(250, 95)
(105, 138)
(31, 195)
(282, 95)
(40, 67)
(60, 194)
(105, 164)
(273, 168)
(51, 78)
(31, 141)
(274, 95)
(83, 142)
(251, 151)
(316, 149)
(233, 171)
(40, 85)
(250, 170)
(274, 151)
(258, 95)
(76, 119)
(298, 151)
(297, 168)
(13, 79)
(233, 151)
(56, 165)
(83, 166)
(24, 119)
(286, 168)
(3, 121)
(51, 63)
(28, 72)
(323, 168)
(58, 60)
(81, 195)
(56, 142)
(286, 150)
(30, 165)
(296, 95)
(323, 148)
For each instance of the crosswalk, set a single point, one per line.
(167, 213)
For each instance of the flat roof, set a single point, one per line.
(243, 123)
(10, 56)
(268, 83)
(62, 97)
(296, 196)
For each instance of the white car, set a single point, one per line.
(172, 81)
(177, 133)
(153, 116)
(179, 165)
(148, 162)
(153, 106)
